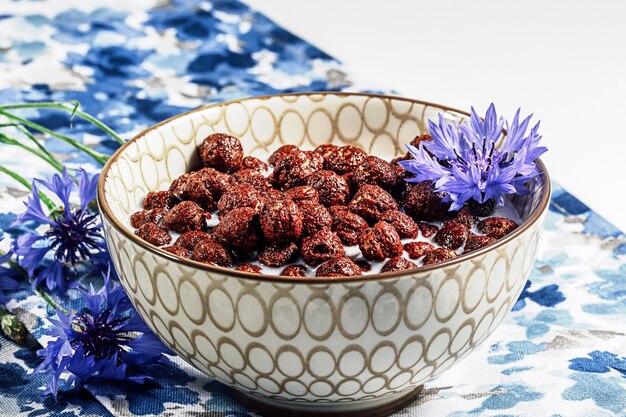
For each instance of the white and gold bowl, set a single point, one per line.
(310, 346)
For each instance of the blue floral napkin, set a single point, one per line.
(134, 63)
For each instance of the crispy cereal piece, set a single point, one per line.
(153, 234)
(277, 254)
(397, 263)
(281, 221)
(333, 189)
(496, 227)
(339, 266)
(210, 251)
(222, 152)
(451, 235)
(321, 246)
(379, 242)
(186, 216)
(439, 255)
(239, 230)
(371, 201)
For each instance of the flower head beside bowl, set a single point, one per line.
(475, 161)
(74, 233)
(106, 341)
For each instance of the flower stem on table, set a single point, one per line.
(99, 157)
(73, 108)
(41, 153)
(17, 177)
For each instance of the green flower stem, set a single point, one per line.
(16, 266)
(33, 139)
(17, 177)
(71, 109)
(100, 157)
(43, 155)
(49, 300)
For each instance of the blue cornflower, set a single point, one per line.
(74, 233)
(474, 161)
(107, 341)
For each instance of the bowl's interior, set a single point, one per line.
(380, 125)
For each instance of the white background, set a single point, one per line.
(564, 61)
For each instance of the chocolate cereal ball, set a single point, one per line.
(402, 222)
(200, 192)
(401, 174)
(419, 139)
(303, 194)
(314, 217)
(153, 234)
(255, 269)
(325, 150)
(293, 170)
(363, 264)
(438, 255)
(206, 183)
(186, 216)
(451, 235)
(190, 239)
(339, 266)
(422, 202)
(371, 201)
(464, 217)
(346, 224)
(250, 177)
(274, 194)
(496, 227)
(282, 152)
(222, 152)
(250, 162)
(317, 159)
(239, 230)
(242, 195)
(179, 185)
(418, 249)
(159, 199)
(376, 171)
(397, 263)
(379, 242)
(415, 142)
(147, 216)
(281, 221)
(294, 271)
(321, 246)
(346, 159)
(277, 254)
(475, 242)
(427, 229)
(210, 251)
(333, 190)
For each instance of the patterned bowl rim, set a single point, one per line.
(128, 234)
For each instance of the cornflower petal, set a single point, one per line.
(34, 210)
(446, 139)
(87, 187)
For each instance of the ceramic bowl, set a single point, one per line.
(316, 346)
